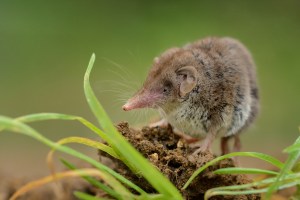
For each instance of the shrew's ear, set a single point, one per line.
(187, 77)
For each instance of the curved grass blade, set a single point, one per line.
(289, 164)
(239, 170)
(84, 196)
(296, 167)
(152, 197)
(93, 181)
(57, 116)
(293, 147)
(259, 184)
(81, 172)
(108, 190)
(90, 143)
(240, 189)
(44, 116)
(16, 126)
(134, 159)
(210, 194)
(260, 156)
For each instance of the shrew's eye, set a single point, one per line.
(167, 87)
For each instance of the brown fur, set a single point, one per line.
(225, 99)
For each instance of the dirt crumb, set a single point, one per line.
(173, 157)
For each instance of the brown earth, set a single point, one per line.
(174, 158)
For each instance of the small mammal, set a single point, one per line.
(205, 89)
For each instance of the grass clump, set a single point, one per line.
(117, 147)
(115, 185)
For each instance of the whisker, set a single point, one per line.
(117, 65)
(116, 82)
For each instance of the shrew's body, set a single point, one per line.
(205, 89)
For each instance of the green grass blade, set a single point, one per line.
(16, 126)
(289, 164)
(84, 196)
(90, 143)
(296, 167)
(209, 193)
(242, 189)
(152, 197)
(296, 195)
(261, 156)
(94, 182)
(57, 116)
(293, 147)
(134, 159)
(261, 183)
(44, 116)
(238, 170)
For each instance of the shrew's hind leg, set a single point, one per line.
(236, 146)
(237, 143)
(224, 145)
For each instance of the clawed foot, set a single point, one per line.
(206, 145)
(202, 149)
(164, 123)
(188, 139)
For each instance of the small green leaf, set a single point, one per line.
(238, 170)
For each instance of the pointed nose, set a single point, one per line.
(130, 104)
(141, 100)
(133, 103)
(126, 107)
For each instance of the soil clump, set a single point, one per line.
(175, 159)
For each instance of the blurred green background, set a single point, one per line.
(45, 47)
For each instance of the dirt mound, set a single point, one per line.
(173, 157)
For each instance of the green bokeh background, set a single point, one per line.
(45, 47)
